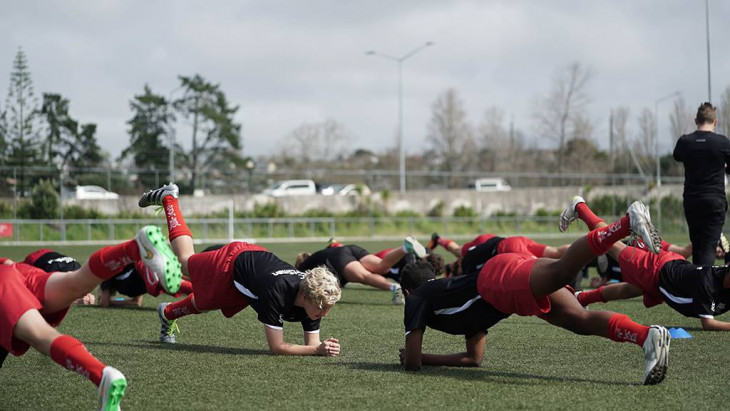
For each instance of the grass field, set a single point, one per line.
(223, 363)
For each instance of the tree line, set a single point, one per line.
(43, 132)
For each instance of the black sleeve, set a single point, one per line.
(678, 150)
(309, 325)
(415, 313)
(726, 151)
(271, 309)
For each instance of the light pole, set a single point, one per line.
(656, 154)
(707, 32)
(401, 144)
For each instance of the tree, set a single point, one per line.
(621, 151)
(61, 130)
(644, 142)
(20, 121)
(449, 132)
(316, 141)
(87, 152)
(215, 136)
(723, 115)
(681, 119)
(493, 138)
(148, 128)
(557, 113)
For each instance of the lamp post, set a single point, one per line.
(250, 165)
(401, 144)
(656, 154)
(707, 32)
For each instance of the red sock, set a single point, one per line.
(444, 242)
(175, 223)
(71, 354)
(601, 239)
(622, 329)
(586, 214)
(186, 287)
(592, 296)
(109, 261)
(181, 308)
(334, 244)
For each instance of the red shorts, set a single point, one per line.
(641, 269)
(520, 245)
(504, 282)
(211, 273)
(22, 288)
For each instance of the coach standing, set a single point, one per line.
(706, 155)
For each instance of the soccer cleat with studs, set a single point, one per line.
(656, 354)
(154, 197)
(157, 255)
(414, 247)
(568, 215)
(111, 389)
(641, 226)
(167, 327)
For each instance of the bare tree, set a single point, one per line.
(681, 119)
(621, 154)
(723, 115)
(449, 132)
(556, 113)
(644, 142)
(316, 141)
(493, 140)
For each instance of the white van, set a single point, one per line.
(491, 184)
(291, 188)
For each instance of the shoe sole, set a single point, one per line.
(645, 229)
(415, 247)
(114, 395)
(172, 276)
(659, 371)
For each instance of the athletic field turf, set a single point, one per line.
(222, 363)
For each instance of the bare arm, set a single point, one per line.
(411, 356)
(471, 358)
(711, 324)
(277, 345)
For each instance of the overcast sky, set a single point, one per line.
(290, 62)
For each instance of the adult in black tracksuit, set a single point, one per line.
(706, 155)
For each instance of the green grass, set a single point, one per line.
(223, 363)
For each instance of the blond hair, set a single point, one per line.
(320, 286)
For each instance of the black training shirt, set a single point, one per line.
(451, 305)
(128, 283)
(694, 291)
(478, 255)
(270, 286)
(335, 259)
(705, 156)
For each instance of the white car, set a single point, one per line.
(94, 193)
(291, 188)
(490, 184)
(345, 190)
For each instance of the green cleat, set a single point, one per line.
(111, 389)
(158, 257)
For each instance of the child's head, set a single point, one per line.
(436, 261)
(415, 274)
(320, 287)
(300, 259)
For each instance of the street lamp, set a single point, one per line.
(656, 154)
(171, 135)
(707, 30)
(402, 147)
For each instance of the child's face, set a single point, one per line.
(313, 310)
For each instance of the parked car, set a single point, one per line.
(94, 193)
(344, 189)
(291, 188)
(490, 184)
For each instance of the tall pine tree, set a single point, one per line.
(20, 121)
(148, 129)
(216, 137)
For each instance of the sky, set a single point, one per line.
(286, 63)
